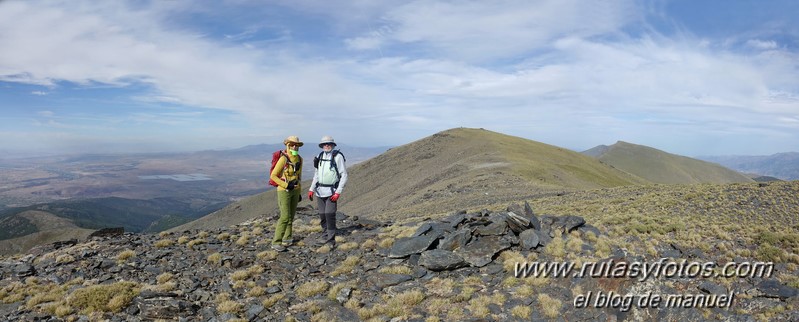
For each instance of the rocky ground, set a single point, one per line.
(459, 267)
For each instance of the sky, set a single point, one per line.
(693, 78)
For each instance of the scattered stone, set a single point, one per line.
(568, 223)
(107, 232)
(439, 260)
(517, 223)
(254, 312)
(712, 288)
(65, 243)
(166, 308)
(534, 222)
(584, 229)
(529, 239)
(343, 295)
(386, 280)
(774, 289)
(24, 270)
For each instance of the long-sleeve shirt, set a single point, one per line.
(325, 171)
(292, 172)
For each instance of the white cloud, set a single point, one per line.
(481, 31)
(762, 44)
(364, 43)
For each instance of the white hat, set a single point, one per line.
(327, 139)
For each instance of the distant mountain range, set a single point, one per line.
(783, 166)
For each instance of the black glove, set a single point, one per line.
(291, 185)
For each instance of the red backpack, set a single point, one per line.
(275, 157)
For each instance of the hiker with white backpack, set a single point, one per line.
(329, 179)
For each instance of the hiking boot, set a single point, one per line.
(279, 247)
(287, 243)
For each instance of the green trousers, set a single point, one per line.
(287, 201)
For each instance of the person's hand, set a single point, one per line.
(335, 197)
(310, 195)
(291, 185)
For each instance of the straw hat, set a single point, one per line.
(293, 139)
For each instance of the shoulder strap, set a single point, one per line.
(288, 159)
(333, 163)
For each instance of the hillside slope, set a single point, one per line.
(452, 170)
(663, 167)
(262, 204)
(134, 215)
(48, 228)
(467, 169)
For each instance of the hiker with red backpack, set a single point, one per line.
(329, 179)
(286, 176)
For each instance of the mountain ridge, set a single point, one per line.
(460, 168)
(659, 166)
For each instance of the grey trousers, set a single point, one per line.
(327, 218)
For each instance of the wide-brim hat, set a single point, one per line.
(327, 139)
(293, 139)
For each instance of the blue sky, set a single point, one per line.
(688, 77)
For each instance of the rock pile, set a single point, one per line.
(475, 239)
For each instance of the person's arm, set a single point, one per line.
(277, 173)
(314, 181)
(342, 171)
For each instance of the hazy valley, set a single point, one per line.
(202, 178)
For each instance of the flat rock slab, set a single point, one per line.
(481, 252)
(441, 260)
(455, 240)
(386, 280)
(404, 247)
(773, 288)
(495, 228)
(568, 223)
